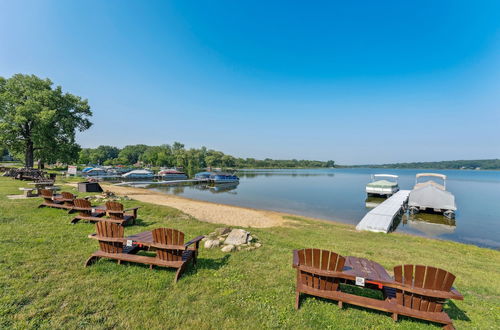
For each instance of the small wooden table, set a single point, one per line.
(145, 238)
(370, 271)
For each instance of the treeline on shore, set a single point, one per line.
(176, 155)
(483, 164)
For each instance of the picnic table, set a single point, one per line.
(42, 185)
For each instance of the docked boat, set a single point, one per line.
(172, 174)
(382, 187)
(220, 177)
(203, 175)
(94, 171)
(138, 174)
(431, 196)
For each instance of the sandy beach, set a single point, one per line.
(205, 211)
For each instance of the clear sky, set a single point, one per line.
(354, 81)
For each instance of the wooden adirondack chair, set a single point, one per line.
(116, 212)
(316, 274)
(68, 199)
(51, 200)
(169, 244)
(171, 250)
(421, 293)
(85, 212)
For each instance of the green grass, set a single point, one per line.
(44, 284)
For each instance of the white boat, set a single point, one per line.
(138, 174)
(432, 196)
(172, 174)
(383, 187)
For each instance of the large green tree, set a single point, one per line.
(39, 120)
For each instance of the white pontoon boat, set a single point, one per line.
(382, 187)
(432, 196)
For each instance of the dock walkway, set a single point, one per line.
(161, 182)
(380, 218)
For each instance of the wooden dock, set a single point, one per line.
(380, 219)
(162, 182)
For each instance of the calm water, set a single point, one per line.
(338, 194)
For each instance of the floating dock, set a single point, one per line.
(380, 219)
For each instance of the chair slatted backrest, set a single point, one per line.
(47, 195)
(114, 210)
(67, 195)
(321, 260)
(424, 277)
(168, 236)
(84, 207)
(110, 230)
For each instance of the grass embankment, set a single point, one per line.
(44, 284)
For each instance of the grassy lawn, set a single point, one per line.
(44, 284)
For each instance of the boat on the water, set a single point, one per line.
(94, 171)
(203, 175)
(220, 177)
(432, 196)
(382, 187)
(172, 174)
(224, 187)
(138, 174)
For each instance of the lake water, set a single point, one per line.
(339, 194)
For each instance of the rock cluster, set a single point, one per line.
(230, 240)
(108, 196)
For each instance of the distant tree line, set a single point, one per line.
(484, 164)
(176, 155)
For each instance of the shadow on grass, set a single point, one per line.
(213, 264)
(450, 308)
(141, 223)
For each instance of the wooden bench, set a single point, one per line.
(115, 211)
(171, 251)
(87, 212)
(28, 192)
(416, 291)
(51, 200)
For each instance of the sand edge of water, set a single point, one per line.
(206, 211)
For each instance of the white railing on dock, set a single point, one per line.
(380, 219)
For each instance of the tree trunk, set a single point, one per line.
(28, 158)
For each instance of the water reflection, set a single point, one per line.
(340, 195)
(432, 225)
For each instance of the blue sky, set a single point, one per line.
(354, 81)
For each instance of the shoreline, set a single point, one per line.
(232, 215)
(214, 212)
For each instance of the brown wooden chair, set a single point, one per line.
(68, 199)
(116, 211)
(51, 200)
(86, 212)
(421, 293)
(171, 251)
(316, 274)
(168, 243)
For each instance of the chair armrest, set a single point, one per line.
(452, 294)
(295, 262)
(108, 239)
(132, 209)
(194, 240)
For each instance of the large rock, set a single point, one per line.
(237, 237)
(209, 244)
(228, 248)
(222, 231)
